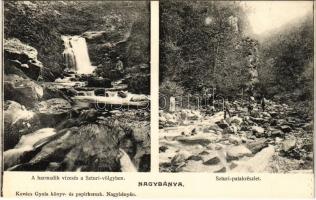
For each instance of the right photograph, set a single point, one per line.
(236, 86)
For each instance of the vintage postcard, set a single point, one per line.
(161, 98)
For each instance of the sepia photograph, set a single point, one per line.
(236, 86)
(76, 86)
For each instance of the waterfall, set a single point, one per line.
(76, 54)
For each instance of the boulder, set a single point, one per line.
(51, 91)
(276, 133)
(211, 161)
(26, 144)
(121, 94)
(258, 163)
(288, 144)
(99, 92)
(23, 91)
(257, 145)
(258, 131)
(236, 120)
(53, 111)
(99, 82)
(234, 139)
(230, 130)
(222, 124)
(202, 139)
(94, 35)
(17, 122)
(25, 57)
(236, 152)
(195, 157)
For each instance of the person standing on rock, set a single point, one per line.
(172, 106)
(263, 103)
(226, 109)
(119, 65)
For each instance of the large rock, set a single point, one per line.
(94, 35)
(288, 144)
(25, 57)
(51, 91)
(23, 91)
(53, 111)
(222, 124)
(236, 120)
(99, 82)
(26, 144)
(17, 122)
(258, 163)
(202, 139)
(257, 145)
(236, 152)
(258, 131)
(99, 92)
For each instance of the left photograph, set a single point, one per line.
(76, 86)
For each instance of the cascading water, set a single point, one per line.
(76, 54)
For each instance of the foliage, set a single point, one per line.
(201, 47)
(288, 60)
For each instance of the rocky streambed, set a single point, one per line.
(278, 140)
(77, 123)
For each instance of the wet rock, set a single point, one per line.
(122, 94)
(99, 82)
(88, 116)
(25, 57)
(99, 92)
(26, 144)
(17, 122)
(235, 152)
(23, 91)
